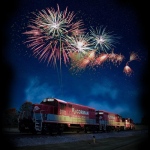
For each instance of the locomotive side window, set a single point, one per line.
(70, 106)
(62, 106)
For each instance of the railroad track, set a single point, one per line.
(130, 144)
(21, 139)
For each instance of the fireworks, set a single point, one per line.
(80, 44)
(48, 33)
(102, 40)
(127, 70)
(56, 35)
(115, 58)
(80, 62)
(101, 59)
(133, 56)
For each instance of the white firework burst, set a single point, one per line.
(102, 40)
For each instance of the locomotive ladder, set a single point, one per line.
(39, 121)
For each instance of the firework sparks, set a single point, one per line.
(115, 58)
(80, 44)
(56, 35)
(112, 56)
(102, 40)
(83, 49)
(119, 58)
(80, 62)
(48, 32)
(88, 59)
(127, 70)
(101, 59)
(133, 56)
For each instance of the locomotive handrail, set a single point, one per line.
(37, 126)
(39, 123)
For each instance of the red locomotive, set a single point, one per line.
(110, 121)
(55, 115)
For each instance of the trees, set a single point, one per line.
(25, 107)
(10, 116)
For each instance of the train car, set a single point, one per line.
(129, 124)
(109, 121)
(55, 115)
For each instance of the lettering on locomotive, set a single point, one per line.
(77, 111)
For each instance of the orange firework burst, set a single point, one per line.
(133, 56)
(127, 70)
(83, 63)
(91, 55)
(112, 56)
(119, 58)
(115, 58)
(80, 61)
(101, 59)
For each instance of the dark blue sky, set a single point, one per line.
(106, 87)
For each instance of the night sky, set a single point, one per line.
(105, 87)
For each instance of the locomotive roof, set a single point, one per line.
(80, 105)
(59, 100)
(107, 112)
(73, 103)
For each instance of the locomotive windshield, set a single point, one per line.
(50, 101)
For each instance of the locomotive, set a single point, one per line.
(53, 115)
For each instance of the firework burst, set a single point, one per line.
(55, 35)
(48, 32)
(81, 51)
(81, 62)
(102, 40)
(100, 59)
(133, 56)
(127, 69)
(115, 58)
(80, 43)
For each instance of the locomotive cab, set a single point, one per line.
(32, 118)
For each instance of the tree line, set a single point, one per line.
(11, 115)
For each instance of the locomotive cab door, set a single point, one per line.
(69, 110)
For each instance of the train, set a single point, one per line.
(53, 115)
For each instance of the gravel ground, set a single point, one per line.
(42, 140)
